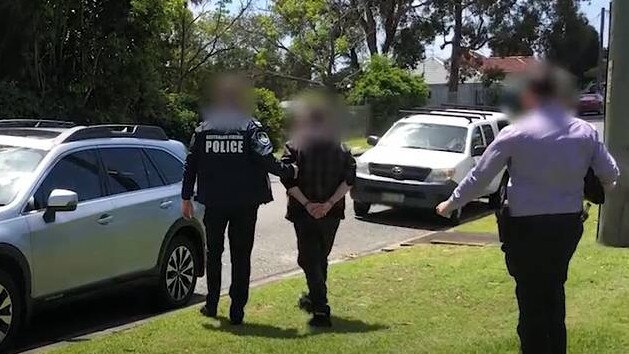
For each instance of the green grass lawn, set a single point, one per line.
(425, 299)
(359, 143)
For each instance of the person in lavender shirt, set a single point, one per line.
(547, 153)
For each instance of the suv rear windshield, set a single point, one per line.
(16, 164)
(426, 136)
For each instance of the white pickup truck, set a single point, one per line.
(422, 158)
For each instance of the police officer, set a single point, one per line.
(547, 152)
(230, 156)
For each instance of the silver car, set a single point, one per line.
(83, 208)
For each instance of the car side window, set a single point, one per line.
(78, 172)
(169, 166)
(124, 169)
(477, 137)
(502, 124)
(489, 134)
(154, 178)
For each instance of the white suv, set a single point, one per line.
(85, 208)
(423, 157)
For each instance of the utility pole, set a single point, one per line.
(601, 53)
(614, 218)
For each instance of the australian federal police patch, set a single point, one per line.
(224, 144)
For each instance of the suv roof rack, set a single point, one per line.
(479, 114)
(116, 131)
(471, 107)
(470, 117)
(484, 115)
(35, 123)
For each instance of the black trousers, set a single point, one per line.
(315, 239)
(240, 222)
(538, 250)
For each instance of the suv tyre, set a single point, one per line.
(177, 276)
(11, 307)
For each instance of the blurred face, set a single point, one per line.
(529, 100)
(232, 93)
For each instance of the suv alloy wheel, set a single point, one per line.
(10, 309)
(178, 273)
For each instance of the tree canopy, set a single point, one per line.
(149, 61)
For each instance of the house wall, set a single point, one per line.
(469, 94)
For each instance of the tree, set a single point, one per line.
(401, 25)
(409, 45)
(570, 41)
(314, 34)
(520, 33)
(205, 36)
(387, 88)
(470, 24)
(269, 113)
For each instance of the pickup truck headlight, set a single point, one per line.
(362, 167)
(440, 175)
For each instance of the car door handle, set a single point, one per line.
(166, 204)
(105, 219)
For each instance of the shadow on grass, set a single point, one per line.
(69, 321)
(423, 219)
(340, 325)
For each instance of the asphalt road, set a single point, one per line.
(274, 252)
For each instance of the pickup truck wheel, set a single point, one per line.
(361, 209)
(11, 306)
(178, 271)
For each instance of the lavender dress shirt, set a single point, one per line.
(547, 154)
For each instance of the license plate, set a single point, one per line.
(393, 198)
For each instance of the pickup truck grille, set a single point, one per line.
(399, 172)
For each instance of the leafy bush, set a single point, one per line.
(17, 103)
(269, 112)
(387, 88)
(182, 117)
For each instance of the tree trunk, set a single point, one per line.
(392, 15)
(182, 53)
(455, 60)
(353, 59)
(370, 28)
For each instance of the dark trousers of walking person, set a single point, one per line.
(240, 222)
(538, 250)
(315, 239)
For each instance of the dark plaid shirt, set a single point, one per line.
(323, 166)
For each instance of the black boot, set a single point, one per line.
(236, 315)
(208, 311)
(321, 318)
(305, 303)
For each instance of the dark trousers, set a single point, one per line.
(240, 222)
(538, 250)
(315, 239)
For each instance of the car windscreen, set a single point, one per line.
(16, 163)
(426, 136)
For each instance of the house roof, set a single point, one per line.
(509, 65)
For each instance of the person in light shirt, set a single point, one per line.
(547, 152)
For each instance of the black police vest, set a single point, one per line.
(228, 174)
